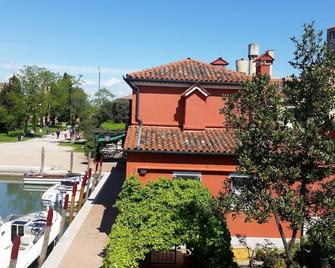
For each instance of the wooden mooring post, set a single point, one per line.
(71, 162)
(94, 181)
(81, 195)
(42, 160)
(15, 252)
(100, 170)
(64, 210)
(74, 191)
(88, 184)
(46, 238)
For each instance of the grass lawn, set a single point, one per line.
(110, 126)
(77, 147)
(5, 138)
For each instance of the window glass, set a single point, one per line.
(238, 181)
(187, 175)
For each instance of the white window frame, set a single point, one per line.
(187, 175)
(235, 189)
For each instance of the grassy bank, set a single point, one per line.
(77, 147)
(112, 126)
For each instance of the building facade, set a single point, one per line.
(178, 131)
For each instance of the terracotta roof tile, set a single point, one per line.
(173, 139)
(189, 70)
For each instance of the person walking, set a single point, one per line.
(57, 133)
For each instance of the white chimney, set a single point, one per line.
(271, 52)
(242, 66)
(253, 52)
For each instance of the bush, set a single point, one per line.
(318, 248)
(164, 214)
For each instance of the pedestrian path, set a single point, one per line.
(27, 154)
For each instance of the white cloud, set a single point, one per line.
(110, 77)
(72, 69)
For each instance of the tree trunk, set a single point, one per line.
(26, 125)
(288, 247)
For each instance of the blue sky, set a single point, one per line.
(122, 36)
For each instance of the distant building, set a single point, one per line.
(2, 85)
(331, 37)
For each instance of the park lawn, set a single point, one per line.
(5, 138)
(111, 126)
(12, 137)
(77, 147)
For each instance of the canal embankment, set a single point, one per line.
(83, 243)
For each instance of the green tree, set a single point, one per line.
(284, 142)
(102, 96)
(164, 214)
(11, 105)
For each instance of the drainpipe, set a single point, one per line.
(137, 111)
(137, 117)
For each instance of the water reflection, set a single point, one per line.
(18, 199)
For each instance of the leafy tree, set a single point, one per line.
(285, 144)
(11, 105)
(164, 214)
(319, 240)
(116, 111)
(102, 96)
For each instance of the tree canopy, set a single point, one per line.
(164, 214)
(284, 137)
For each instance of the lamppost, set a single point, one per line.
(99, 74)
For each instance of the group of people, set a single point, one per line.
(67, 134)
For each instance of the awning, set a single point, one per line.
(108, 138)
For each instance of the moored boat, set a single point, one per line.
(31, 229)
(55, 195)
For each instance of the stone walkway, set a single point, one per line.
(86, 248)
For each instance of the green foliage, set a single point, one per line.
(164, 214)
(116, 111)
(102, 96)
(111, 126)
(284, 136)
(271, 256)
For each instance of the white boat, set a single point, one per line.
(55, 195)
(46, 179)
(31, 229)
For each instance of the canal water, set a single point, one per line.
(17, 198)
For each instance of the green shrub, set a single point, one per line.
(164, 214)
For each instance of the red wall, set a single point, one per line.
(214, 169)
(165, 106)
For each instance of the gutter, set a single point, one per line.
(180, 152)
(137, 112)
(129, 79)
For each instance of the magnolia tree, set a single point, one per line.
(284, 141)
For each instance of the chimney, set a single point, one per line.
(253, 51)
(331, 37)
(242, 66)
(264, 63)
(271, 52)
(219, 62)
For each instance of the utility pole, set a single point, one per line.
(99, 69)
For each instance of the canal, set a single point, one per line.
(17, 198)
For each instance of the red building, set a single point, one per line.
(177, 129)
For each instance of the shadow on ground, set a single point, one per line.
(108, 196)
